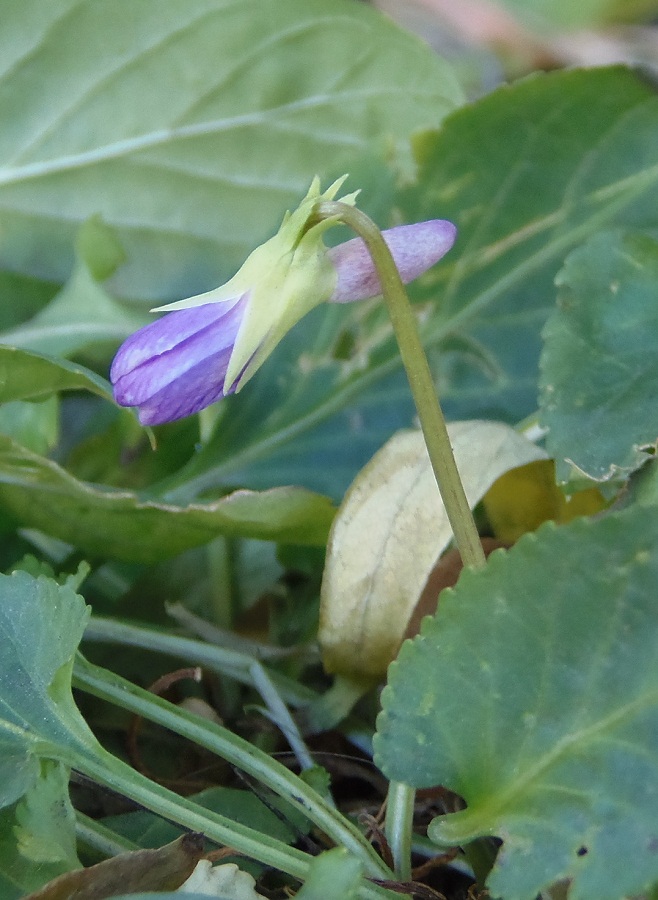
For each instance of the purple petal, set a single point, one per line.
(165, 334)
(177, 365)
(415, 249)
(197, 388)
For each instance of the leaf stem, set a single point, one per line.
(240, 753)
(400, 801)
(223, 660)
(103, 768)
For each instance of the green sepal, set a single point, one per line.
(285, 278)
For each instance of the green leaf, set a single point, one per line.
(45, 829)
(334, 875)
(533, 694)
(42, 845)
(32, 376)
(190, 127)
(82, 313)
(599, 365)
(41, 624)
(28, 296)
(643, 486)
(527, 173)
(108, 523)
(35, 425)
(277, 819)
(97, 246)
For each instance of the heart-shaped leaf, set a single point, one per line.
(533, 694)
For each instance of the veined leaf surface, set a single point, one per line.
(533, 694)
(190, 127)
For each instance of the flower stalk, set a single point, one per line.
(400, 800)
(430, 414)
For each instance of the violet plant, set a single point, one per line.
(213, 343)
(277, 529)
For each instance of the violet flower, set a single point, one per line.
(211, 344)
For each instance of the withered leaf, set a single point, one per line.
(164, 869)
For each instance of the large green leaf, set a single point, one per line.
(191, 126)
(533, 694)
(37, 834)
(599, 364)
(527, 173)
(107, 523)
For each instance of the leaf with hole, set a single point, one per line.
(533, 694)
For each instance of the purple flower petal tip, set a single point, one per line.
(415, 249)
(176, 365)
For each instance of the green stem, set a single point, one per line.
(238, 752)
(105, 769)
(223, 660)
(220, 556)
(400, 800)
(398, 826)
(280, 715)
(102, 840)
(420, 379)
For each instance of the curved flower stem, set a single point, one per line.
(400, 799)
(420, 379)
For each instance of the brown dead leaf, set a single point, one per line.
(445, 574)
(164, 869)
